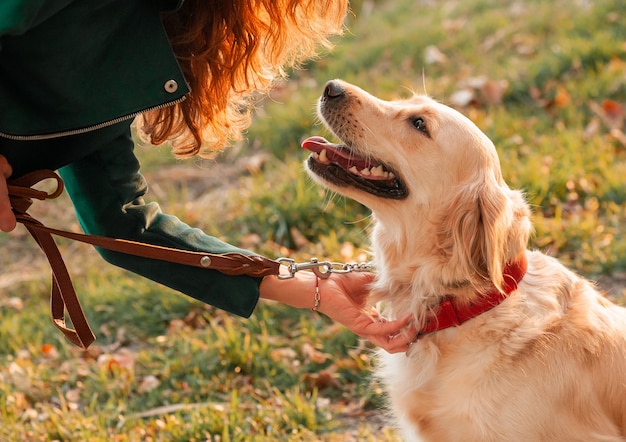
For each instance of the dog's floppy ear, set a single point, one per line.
(481, 230)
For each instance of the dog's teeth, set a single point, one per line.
(366, 172)
(315, 155)
(324, 156)
(378, 171)
(390, 175)
(354, 170)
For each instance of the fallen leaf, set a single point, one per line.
(195, 319)
(19, 377)
(23, 354)
(432, 55)
(148, 384)
(284, 353)
(610, 112)
(493, 91)
(613, 109)
(73, 395)
(49, 351)
(462, 97)
(323, 380)
(313, 355)
(123, 359)
(17, 401)
(14, 303)
(176, 326)
(30, 414)
(562, 97)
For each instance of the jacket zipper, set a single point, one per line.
(95, 127)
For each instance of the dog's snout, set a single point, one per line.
(333, 90)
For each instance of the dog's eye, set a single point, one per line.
(420, 125)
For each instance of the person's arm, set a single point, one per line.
(108, 194)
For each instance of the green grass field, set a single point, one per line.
(545, 80)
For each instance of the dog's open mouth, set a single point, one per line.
(339, 165)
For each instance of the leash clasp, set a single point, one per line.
(322, 269)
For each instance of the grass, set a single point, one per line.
(548, 86)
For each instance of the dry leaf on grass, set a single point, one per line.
(123, 359)
(49, 351)
(322, 380)
(310, 353)
(148, 383)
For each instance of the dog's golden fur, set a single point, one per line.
(229, 50)
(548, 363)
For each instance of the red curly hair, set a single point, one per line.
(228, 51)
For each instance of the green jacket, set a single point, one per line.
(73, 74)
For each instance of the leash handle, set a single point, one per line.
(63, 295)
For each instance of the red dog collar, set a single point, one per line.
(451, 314)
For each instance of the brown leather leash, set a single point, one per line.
(63, 295)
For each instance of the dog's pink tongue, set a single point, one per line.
(336, 153)
(317, 144)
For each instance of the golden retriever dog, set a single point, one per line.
(512, 346)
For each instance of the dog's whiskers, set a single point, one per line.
(330, 196)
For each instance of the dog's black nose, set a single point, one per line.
(333, 89)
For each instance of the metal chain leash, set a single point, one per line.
(323, 269)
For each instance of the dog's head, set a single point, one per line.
(431, 178)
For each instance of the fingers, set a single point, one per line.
(392, 328)
(394, 344)
(399, 344)
(394, 336)
(347, 305)
(7, 218)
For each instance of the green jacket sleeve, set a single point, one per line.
(108, 191)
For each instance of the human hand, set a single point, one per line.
(7, 218)
(344, 298)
